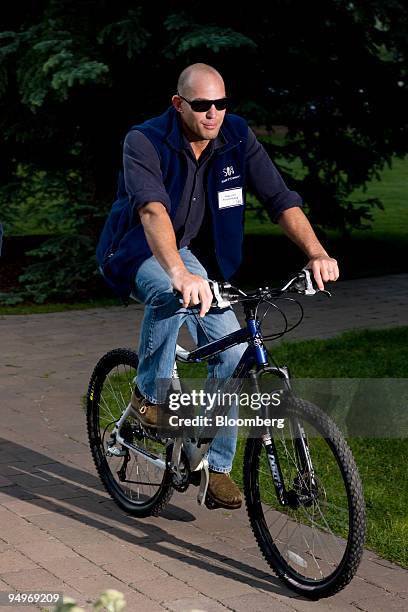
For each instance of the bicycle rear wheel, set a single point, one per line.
(138, 486)
(314, 544)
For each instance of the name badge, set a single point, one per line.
(230, 197)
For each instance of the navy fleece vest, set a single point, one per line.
(122, 247)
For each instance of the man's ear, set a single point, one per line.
(176, 102)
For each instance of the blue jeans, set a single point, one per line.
(163, 317)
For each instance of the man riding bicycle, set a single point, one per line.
(185, 176)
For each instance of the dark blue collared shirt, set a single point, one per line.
(144, 183)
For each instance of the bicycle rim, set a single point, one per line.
(315, 545)
(134, 483)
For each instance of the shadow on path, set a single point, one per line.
(85, 493)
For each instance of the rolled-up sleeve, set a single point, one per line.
(264, 180)
(143, 176)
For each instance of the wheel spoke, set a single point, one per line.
(131, 479)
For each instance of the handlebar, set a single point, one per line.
(225, 294)
(303, 284)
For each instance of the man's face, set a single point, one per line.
(201, 125)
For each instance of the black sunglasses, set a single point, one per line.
(202, 106)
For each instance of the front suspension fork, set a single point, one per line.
(303, 461)
(274, 466)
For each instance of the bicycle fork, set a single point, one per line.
(302, 491)
(274, 466)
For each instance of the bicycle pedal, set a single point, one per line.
(210, 503)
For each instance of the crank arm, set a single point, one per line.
(205, 477)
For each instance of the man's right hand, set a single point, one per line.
(161, 239)
(194, 289)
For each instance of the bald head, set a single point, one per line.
(200, 82)
(194, 75)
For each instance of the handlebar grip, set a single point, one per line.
(223, 295)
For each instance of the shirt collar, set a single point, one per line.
(213, 145)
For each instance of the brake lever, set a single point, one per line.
(311, 286)
(305, 284)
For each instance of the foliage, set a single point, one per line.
(39, 198)
(110, 600)
(64, 269)
(57, 202)
(186, 34)
(75, 76)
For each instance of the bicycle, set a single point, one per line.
(302, 489)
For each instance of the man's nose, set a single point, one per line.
(212, 111)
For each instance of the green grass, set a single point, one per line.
(391, 189)
(26, 309)
(354, 354)
(383, 470)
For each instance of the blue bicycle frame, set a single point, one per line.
(255, 355)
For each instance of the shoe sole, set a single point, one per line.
(212, 504)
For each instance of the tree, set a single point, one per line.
(75, 76)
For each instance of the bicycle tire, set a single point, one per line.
(109, 392)
(294, 562)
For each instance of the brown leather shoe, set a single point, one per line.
(223, 492)
(144, 410)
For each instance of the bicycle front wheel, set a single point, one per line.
(137, 484)
(314, 544)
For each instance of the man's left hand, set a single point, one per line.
(324, 269)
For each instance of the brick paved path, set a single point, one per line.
(60, 531)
